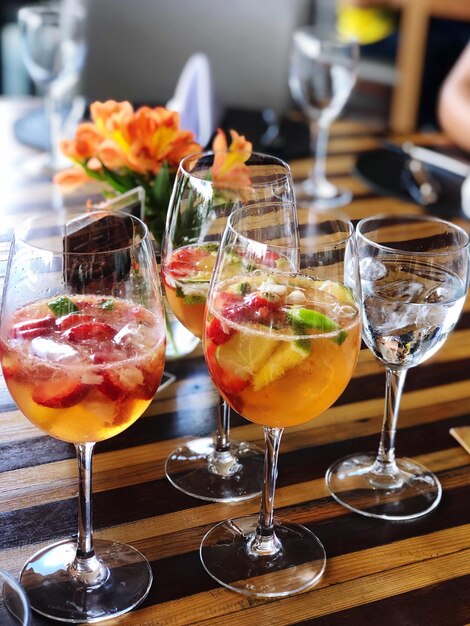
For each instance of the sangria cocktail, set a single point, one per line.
(282, 338)
(82, 346)
(97, 361)
(207, 188)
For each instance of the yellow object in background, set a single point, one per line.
(365, 25)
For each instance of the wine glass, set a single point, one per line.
(82, 344)
(414, 272)
(53, 46)
(322, 73)
(220, 469)
(14, 605)
(282, 337)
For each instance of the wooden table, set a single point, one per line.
(378, 572)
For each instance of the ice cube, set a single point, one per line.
(401, 291)
(50, 350)
(439, 293)
(372, 269)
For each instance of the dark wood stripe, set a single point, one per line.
(444, 604)
(158, 497)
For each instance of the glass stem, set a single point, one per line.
(385, 463)
(265, 542)
(222, 461)
(223, 426)
(319, 143)
(54, 119)
(86, 567)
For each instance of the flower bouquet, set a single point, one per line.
(126, 148)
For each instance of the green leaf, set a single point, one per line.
(161, 187)
(107, 305)
(62, 306)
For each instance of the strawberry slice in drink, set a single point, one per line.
(96, 331)
(72, 319)
(122, 382)
(219, 333)
(29, 329)
(60, 392)
(11, 366)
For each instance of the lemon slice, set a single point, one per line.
(245, 353)
(338, 290)
(287, 356)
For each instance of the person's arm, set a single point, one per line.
(454, 102)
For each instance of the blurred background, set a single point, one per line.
(137, 51)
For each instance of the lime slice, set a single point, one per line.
(287, 356)
(338, 290)
(245, 353)
(310, 318)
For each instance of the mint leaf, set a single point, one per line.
(62, 306)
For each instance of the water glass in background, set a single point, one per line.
(53, 47)
(414, 275)
(322, 73)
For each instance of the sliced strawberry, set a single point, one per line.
(32, 328)
(255, 308)
(72, 319)
(216, 332)
(122, 382)
(225, 381)
(97, 331)
(270, 258)
(60, 393)
(11, 366)
(183, 262)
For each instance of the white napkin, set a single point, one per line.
(194, 98)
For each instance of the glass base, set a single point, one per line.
(227, 556)
(408, 494)
(327, 197)
(14, 605)
(53, 592)
(188, 468)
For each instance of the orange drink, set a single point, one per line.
(83, 368)
(281, 349)
(186, 275)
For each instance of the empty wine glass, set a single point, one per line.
(282, 337)
(322, 73)
(53, 48)
(207, 188)
(82, 344)
(414, 273)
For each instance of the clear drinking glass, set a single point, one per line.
(282, 337)
(212, 468)
(322, 73)
(14, 605)
(414, 272)
(53, 45)
(82, 337)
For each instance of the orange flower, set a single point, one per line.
(110, 116)
(154, 136)
(111, 155)
(71, 179)
(229, 167)
(84, 145)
